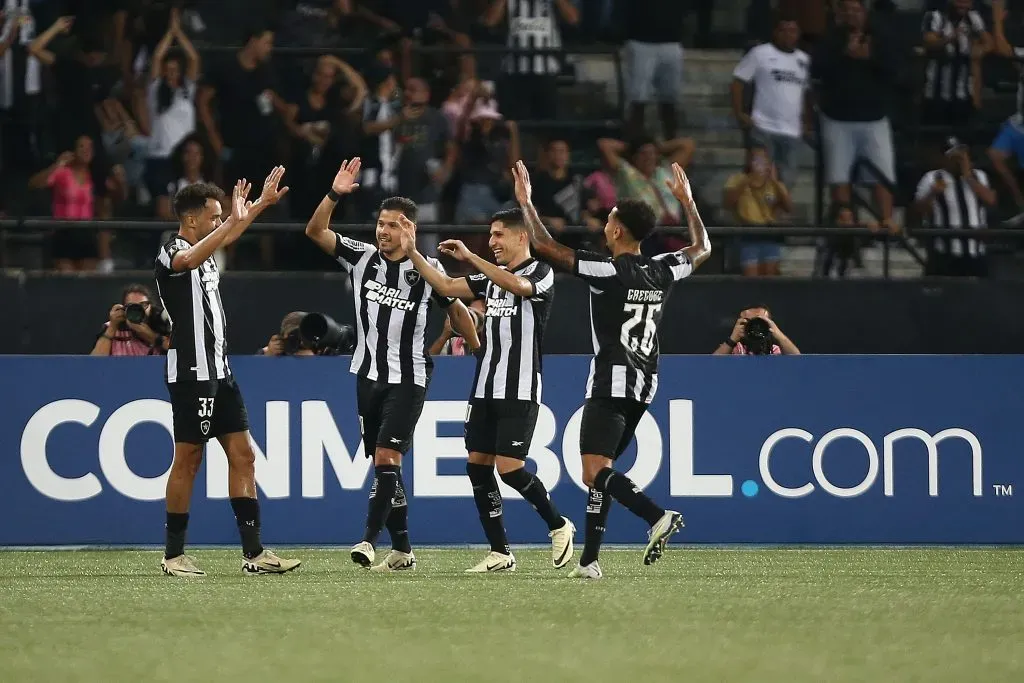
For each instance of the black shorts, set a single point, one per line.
(608, 425)
(388, 414)
(500, 426)
(206, 410)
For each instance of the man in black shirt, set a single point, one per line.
(205, 400)
(627, 292)
(562, 198)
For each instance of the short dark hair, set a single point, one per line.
(640, 141)
(556, 138)
(403, 205)
(136, 288)
(255, 32)
(193, 198)
(785, 18)
(638, 218)
(511, 217)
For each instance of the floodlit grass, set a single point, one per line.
(698, 615)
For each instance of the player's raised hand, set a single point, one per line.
(345, 181)
(407, 234)
(271, 194)
(524, 191)
(679, 184)
(456, 249)
(239, 209)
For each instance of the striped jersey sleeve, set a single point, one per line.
(165, 258)
(678, 262)
(478, 285)
(594, 268)
(348, 252)
(542, 277)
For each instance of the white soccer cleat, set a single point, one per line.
(396, 561)
(561, 544)
(659, 534)
(268, 562)
(182, 565)
(590, 571)
(494, 562)
(362, 554)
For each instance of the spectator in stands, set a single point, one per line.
(654, 61)
(645, 174)
(72, 179)
(120, 337)
(489, 148)
(426, 158)
(562, 198)
(766, 337)
(382, 112)
(955, 40)
(602, 186)
(781, 112)
(188, 165)
(854, 70)
(757, 197)
(169, 114)
(1010, 141)
(956, 196)
(529, 88)
(318, 23)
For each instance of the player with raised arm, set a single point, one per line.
(506, 394)
(205, 400)
(627, 292)
(392, 302)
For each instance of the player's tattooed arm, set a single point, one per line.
(700, 243)
(519, 286)
(318, 228)
(463, 324)
(545, 246)
(268, 197)
(440, 282)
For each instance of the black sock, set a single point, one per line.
(247, 515)
(488, 504)
(532, 489)
(629, 494)
(175, 526)
(398, 520)
(385, 483)
(598, 507)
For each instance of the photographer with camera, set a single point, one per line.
(756, 334)
(137, 327)
(310, 334)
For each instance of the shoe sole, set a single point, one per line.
(182, 575)
(259, 571)
(569, 549)
(402, 568)
(656, 546)
(510, 568)
(362, 560)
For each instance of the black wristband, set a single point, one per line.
(333, 196)
(730, 343)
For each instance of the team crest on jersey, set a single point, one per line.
(204, 426)
(411, 277)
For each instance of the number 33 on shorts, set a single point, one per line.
(205, 407)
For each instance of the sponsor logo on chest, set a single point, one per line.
(383, 295)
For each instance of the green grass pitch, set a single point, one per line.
(699, 615)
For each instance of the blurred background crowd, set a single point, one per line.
(889, 115)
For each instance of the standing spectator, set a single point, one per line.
(529, 86)
(648, 170)
(490, 146)
(169, 115)
(781, 113)
(1010, 140)
(654, 61)
(757, 197)
(188, 163)
(955, 40)
(562, 198)
(854, 68)
(955, 196)
(382, 112)
(426, 156)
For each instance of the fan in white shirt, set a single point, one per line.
(779, 73)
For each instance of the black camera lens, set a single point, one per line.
(135, 313)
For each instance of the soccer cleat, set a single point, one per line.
(268, 563)
(590, 571)
(362, 554)
(561, 544)
(182, 565)
(494, 562)
(659, 534)
(396, 561)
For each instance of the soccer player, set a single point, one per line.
(627, 292)
(392, 301)
(205, 400)
(506, 396)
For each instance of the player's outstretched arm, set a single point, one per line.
(545, 246)
(439, 281)
(318, 228)
(268, 197)
(700, 243)
(519, 286)
(463, 324)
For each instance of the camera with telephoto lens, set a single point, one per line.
(757, 337)
(323, 335)
(136, 314)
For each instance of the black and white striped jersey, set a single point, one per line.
(626, 298)
(958, 207)
(392, 301)
(509, 361)
(948, 71)
(533, 25)
(199, 345)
